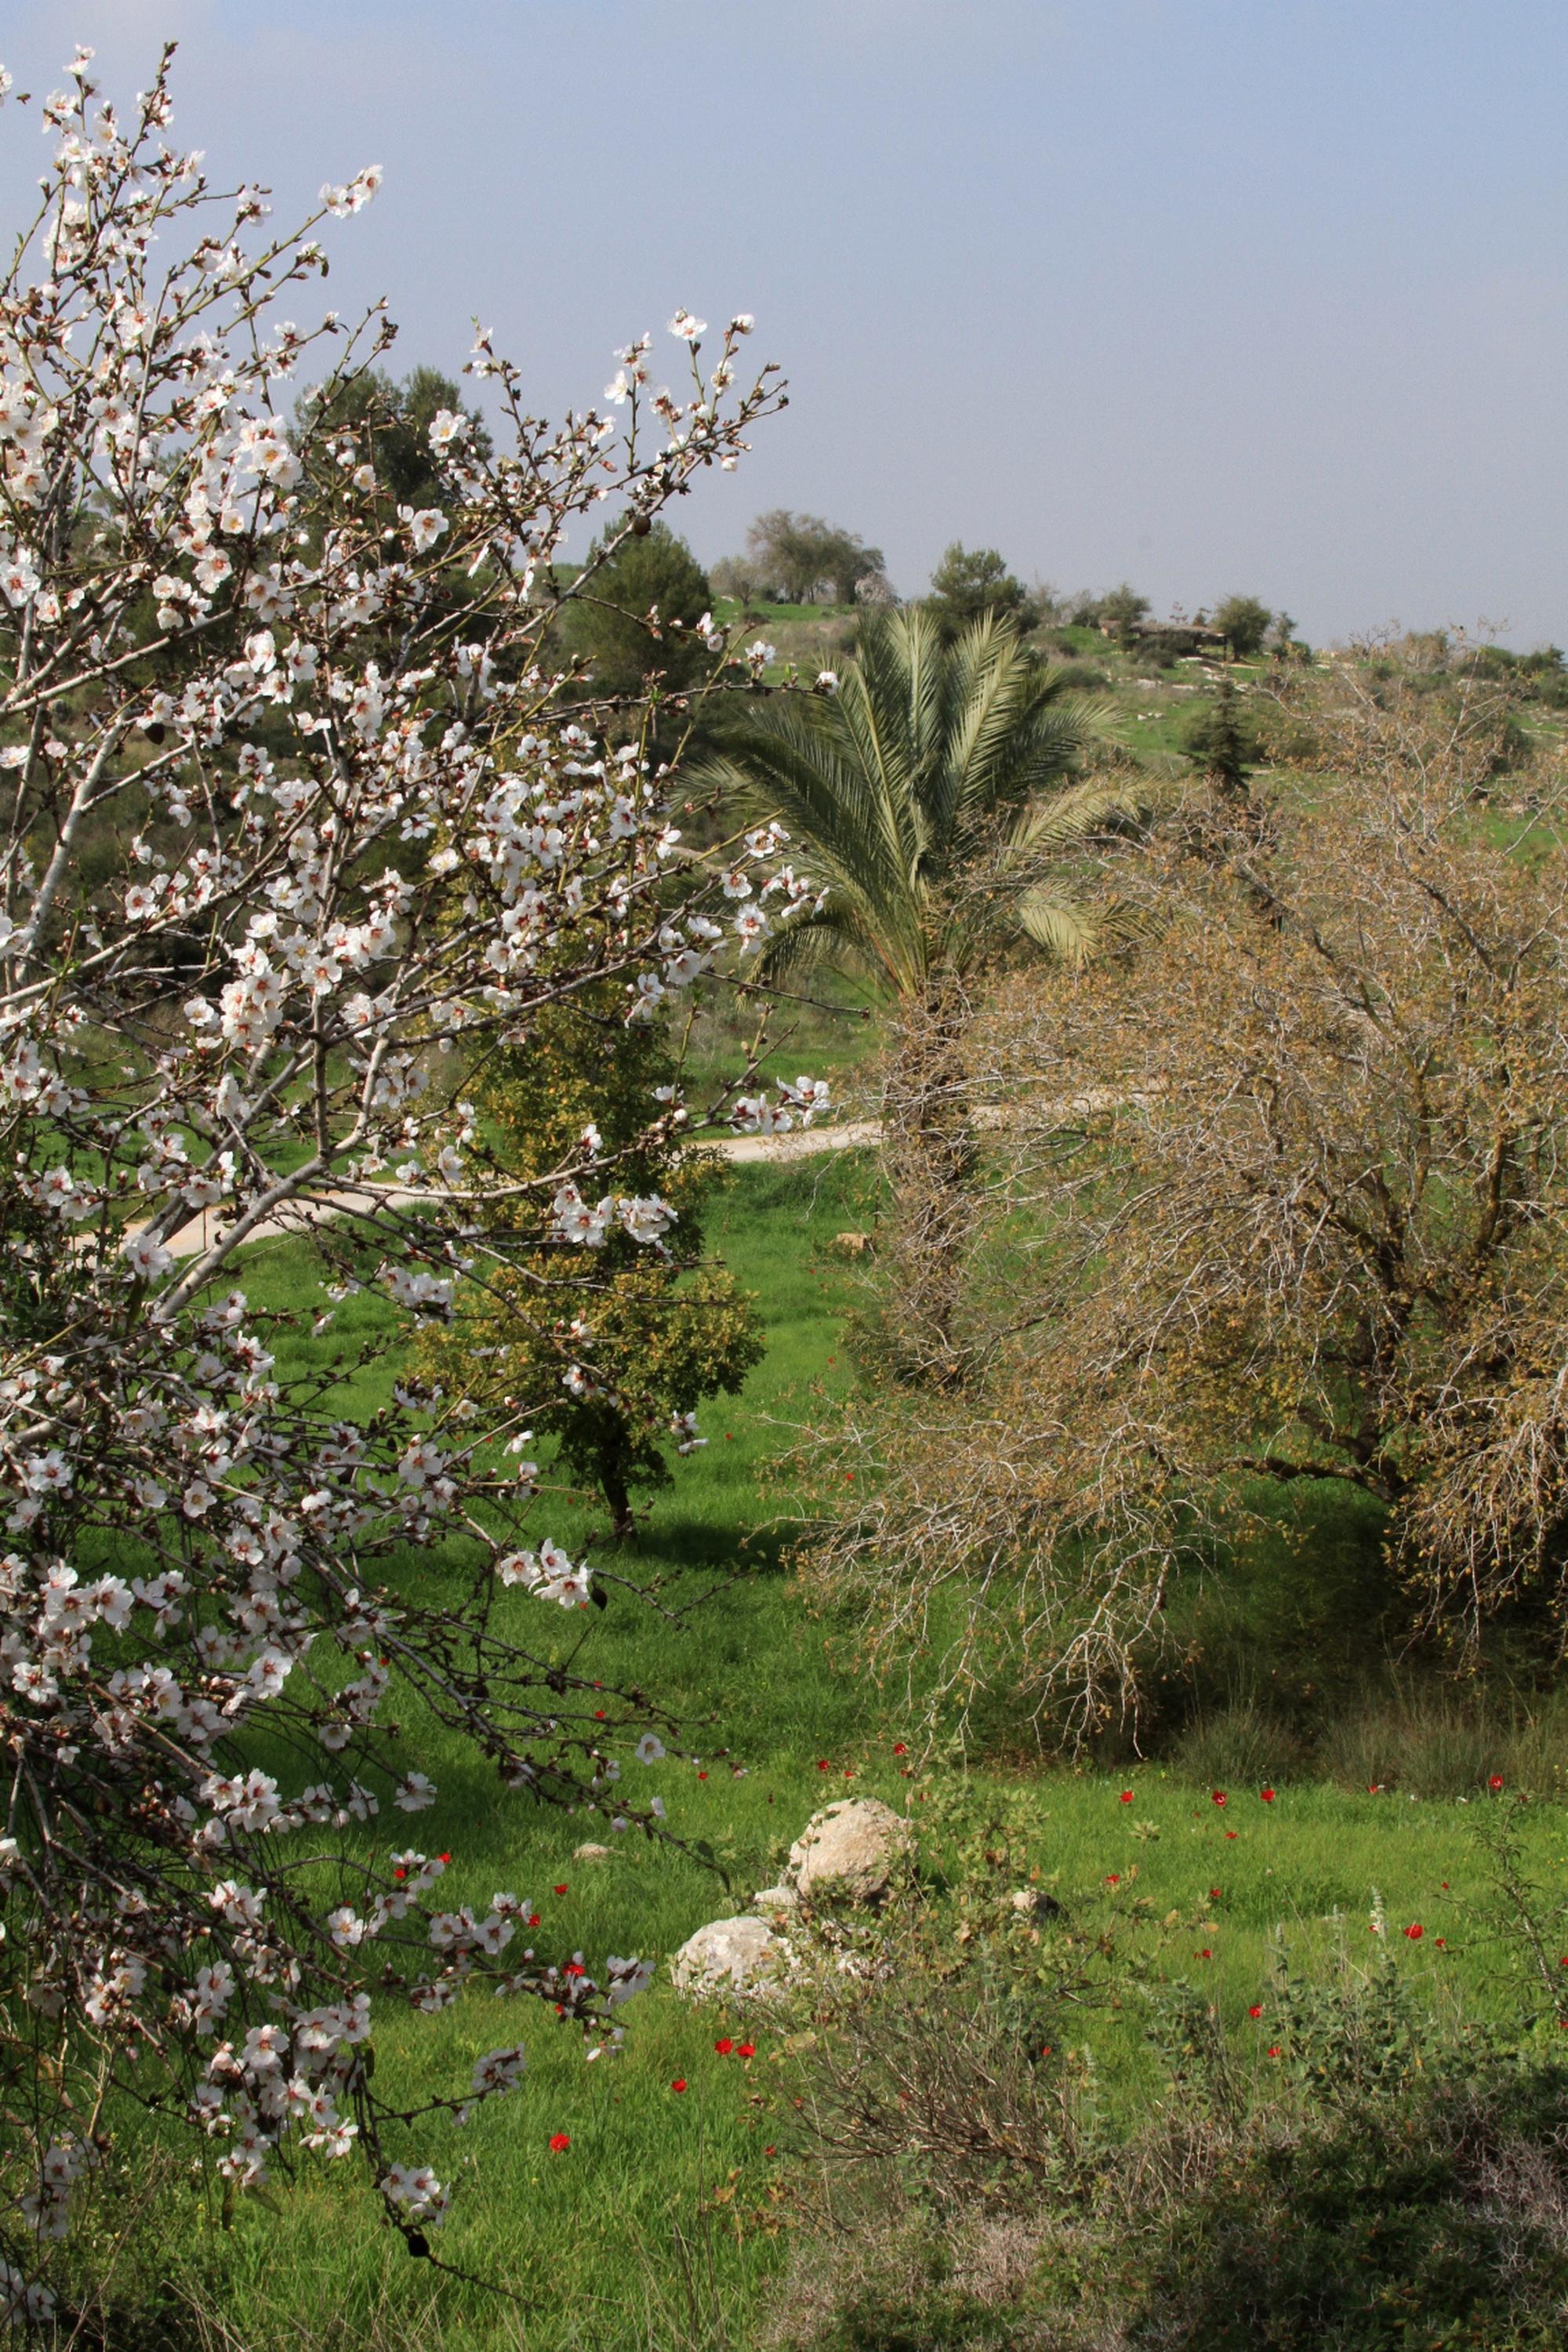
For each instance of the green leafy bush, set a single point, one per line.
(1370, 2176)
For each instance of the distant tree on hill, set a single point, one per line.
(619, 620)
(800, 554)
(973, 581)
(1283, 643)
(1245, 622)
(735, 576)
(1117, 609)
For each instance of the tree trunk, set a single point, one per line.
(612, 1479)
(932, 1162)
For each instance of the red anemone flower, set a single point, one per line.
(559, 2143)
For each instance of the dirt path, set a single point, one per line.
(370, 1200)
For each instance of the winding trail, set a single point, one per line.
(370, 1200)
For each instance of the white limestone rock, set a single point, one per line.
(849, 1849)
(728, 1956)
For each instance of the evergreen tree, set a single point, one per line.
(391, 421)
(629, 1339)
(1223, 740)
(618, 621)
(970, 581)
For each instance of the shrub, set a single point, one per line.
(1388, 2178)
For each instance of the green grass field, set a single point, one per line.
(668, 2219)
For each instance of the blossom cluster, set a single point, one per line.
(297, 824)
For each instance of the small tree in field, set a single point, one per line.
(626, 1354)
(296, 826)
(1221, 738)
(1118, 609)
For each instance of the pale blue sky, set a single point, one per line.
(1210, 294)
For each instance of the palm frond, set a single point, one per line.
(1059, 820)
(891, 790)
(1068, 933)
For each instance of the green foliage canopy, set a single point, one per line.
(972, 580)
(798, 554)
(393, 420)
(648, 1333)
(1246, 622)
(618, 618)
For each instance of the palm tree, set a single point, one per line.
(932, 797)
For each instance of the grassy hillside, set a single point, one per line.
(667, 2219)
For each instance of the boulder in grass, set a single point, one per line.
(850, 1849)
(728, 1956)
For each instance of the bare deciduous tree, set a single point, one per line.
(1290, 1194)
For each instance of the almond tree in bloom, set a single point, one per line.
(293, 824)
